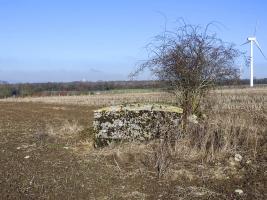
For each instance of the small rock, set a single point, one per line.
(238, 157)
(248, 162)
(31, 180)
(18, 148)
(65, 147)
(232, 162)
(26, 157)
(239, 191)
(200, 193)
(193, 119)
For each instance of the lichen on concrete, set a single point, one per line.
(140, 122)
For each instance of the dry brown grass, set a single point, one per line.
(97, 100)
(199, 166)
(229, 98)
(236, 119)
(235, 123)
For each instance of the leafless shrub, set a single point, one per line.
(192, 60)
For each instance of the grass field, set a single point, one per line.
(97, 99)
(46, 151)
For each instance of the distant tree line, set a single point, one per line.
(72, 88)
(78, 88)
(242, 82)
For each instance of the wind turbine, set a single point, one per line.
(252, 40)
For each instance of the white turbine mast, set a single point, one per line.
(252, 40)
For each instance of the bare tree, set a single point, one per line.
(192, 60)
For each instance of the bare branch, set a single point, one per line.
(192, 60)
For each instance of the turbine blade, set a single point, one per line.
(245, 43)
(258, 45)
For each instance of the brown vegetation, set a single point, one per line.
(46, 151)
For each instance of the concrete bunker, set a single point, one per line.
(141, 122)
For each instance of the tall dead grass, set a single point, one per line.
(220, 137)
(233, 124)
(68, 133)
(68, 129)
(215, 139)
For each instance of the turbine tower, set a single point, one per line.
(252, 40)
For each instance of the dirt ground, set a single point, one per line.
(36, 163)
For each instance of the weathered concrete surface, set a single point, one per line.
(134, 122)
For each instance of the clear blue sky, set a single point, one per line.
(67, 40)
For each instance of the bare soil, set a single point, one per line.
(35, 164)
